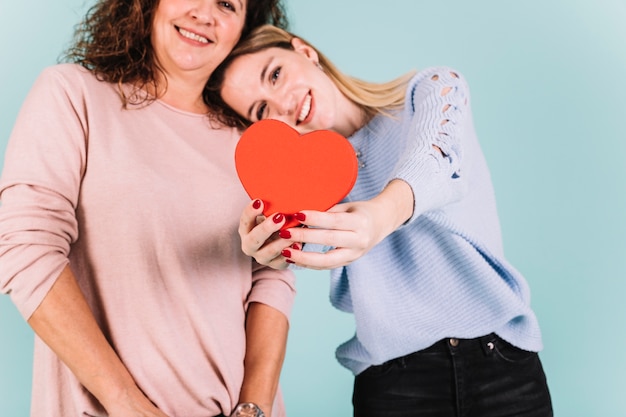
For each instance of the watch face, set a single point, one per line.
(248, 410)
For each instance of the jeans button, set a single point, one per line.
(454, 342)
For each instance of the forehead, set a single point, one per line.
(245, 69)
(242, 81)
(252, 68)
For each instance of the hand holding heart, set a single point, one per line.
(290, 172)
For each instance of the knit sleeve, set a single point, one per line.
(44, 162)
(436, 104)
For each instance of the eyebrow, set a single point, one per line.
(261, 79)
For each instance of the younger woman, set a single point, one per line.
(443, 322)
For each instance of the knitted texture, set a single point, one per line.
(443, 273)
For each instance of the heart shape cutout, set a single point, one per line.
(292, 172)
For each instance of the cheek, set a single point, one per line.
(232, 31)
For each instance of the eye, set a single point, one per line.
(260, 112)
(228, 5)
(274, 75)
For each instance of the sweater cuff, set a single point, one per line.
(432, 184)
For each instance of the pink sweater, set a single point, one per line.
(144, 204)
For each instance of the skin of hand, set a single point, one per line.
(259, 236)
(66, 324)
(351, 228)
(266, 335)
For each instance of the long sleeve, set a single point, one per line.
(443, 273)
(436, 107)
(142, 203)
(39, 190)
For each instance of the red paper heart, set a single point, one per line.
(292, 172)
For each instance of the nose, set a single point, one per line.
(285, 105)
(285, 110)
(203, 11)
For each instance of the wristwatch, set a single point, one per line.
(247, 410)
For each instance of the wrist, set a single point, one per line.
(398, 201)
(248, 410)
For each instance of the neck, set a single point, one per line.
(353, 119)
(183, 93)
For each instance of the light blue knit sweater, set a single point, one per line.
(443, 273)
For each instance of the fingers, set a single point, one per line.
(346, 227)
(319, 261)
(255, 229)
(323, 236)
(248, 219)
(259, 236)
(340, 227)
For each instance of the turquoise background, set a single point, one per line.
(548, 81)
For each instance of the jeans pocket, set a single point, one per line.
(509, 353)
(376, 371)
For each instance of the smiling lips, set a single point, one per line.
(306, 108)
(192, 36)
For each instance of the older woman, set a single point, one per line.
(118, 239)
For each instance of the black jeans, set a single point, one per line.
(482, 377)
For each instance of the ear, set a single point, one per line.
(308, 51)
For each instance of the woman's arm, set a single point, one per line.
(66, 324)
(40, 185)
(426, 177)
(352, 229)
(266, 335)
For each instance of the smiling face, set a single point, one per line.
(288, 85)
(194, 36)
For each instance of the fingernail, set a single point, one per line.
(278, 217)
(295, 246)
(256, 205)
(289, 261)
(300, 217)
(285, 234)
(286, 253)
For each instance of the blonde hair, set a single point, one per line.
(373, 98)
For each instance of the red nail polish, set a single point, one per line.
(295, 246)
(289, 261)
(284, 234)
(256, 205)
(300, 217)
(278, 217)
(286, 253)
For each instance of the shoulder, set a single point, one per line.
(65, 73)
(70, 77)
(63, 83)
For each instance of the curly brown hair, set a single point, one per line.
(113, 41)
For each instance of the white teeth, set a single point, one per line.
(192, 36)
(306, 108)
